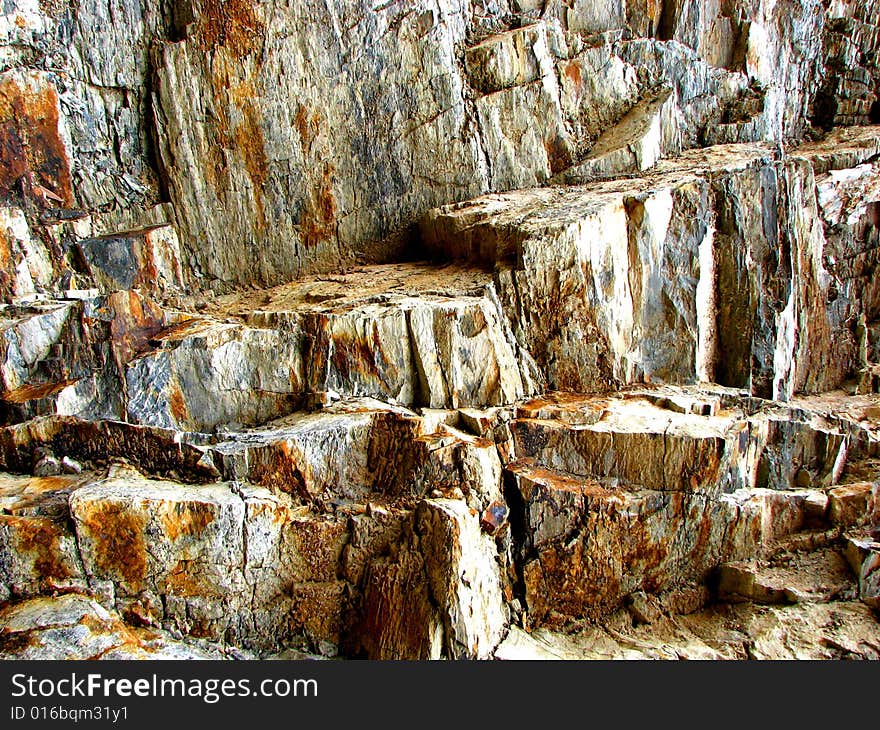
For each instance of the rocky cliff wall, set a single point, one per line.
(294, 139)
(439, 329)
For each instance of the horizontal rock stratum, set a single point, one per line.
(458, 329)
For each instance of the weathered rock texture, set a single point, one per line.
(454, 329)
(294, 138)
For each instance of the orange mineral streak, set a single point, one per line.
(187, 519)
(118, 536)
(178, 405)
(39, 538)
(29, 392)
(318, 222)
(31, 147)
(136, 321)
(229, 24)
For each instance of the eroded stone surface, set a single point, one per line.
(658, 539)
(75, 627)
(643, 279)
(605, 406)
(741, 631)
(38, 551)
(819, 577)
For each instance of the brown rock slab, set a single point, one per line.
(38, 550)
(820, 576)
(631, 440)
(590, 542)
(849, 504)
(147, 261)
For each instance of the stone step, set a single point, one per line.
(312, 531)
(65, 357)
(856, 503)
(741, 631)
(589, 543)
(632, 146)
(818, 576)
(642, 279)
(413, 334)
(350, 451)
(629, 477)
(198, 526)
(862, 549)
(223, 562)
(360, 449)
(306, 560)
(38, 551)
(457, 336)
(842, 148)
(156, 451)
(631, 440)
(693, 438)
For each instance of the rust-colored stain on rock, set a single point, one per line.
(147, 273)
(184, 581)
(319, 608)
(135, 322)
(307, 126)
(559, 481)
(177, 404)
(356, 355)
(30, 143)
(654, 8)
(18, 642)
(705, 468)
(585, 583)
(278, 513)
(320, 543)
(30, 392)
(703, 545)
(283, 467)
(182, 330)
(187, 519)
(558, 154)
(121, 636)
(230, 24)
(397, 613)
(248, 137)
(6, 279)
(52, 7)
(40, 539)
(118, 540)
(40, 485)
(318, 221)
(237, 129)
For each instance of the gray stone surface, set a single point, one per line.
(455, 329)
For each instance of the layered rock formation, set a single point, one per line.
(445, 329)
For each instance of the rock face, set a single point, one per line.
(675, 276)
(74, 627)
(452, 329)
(265, 126)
